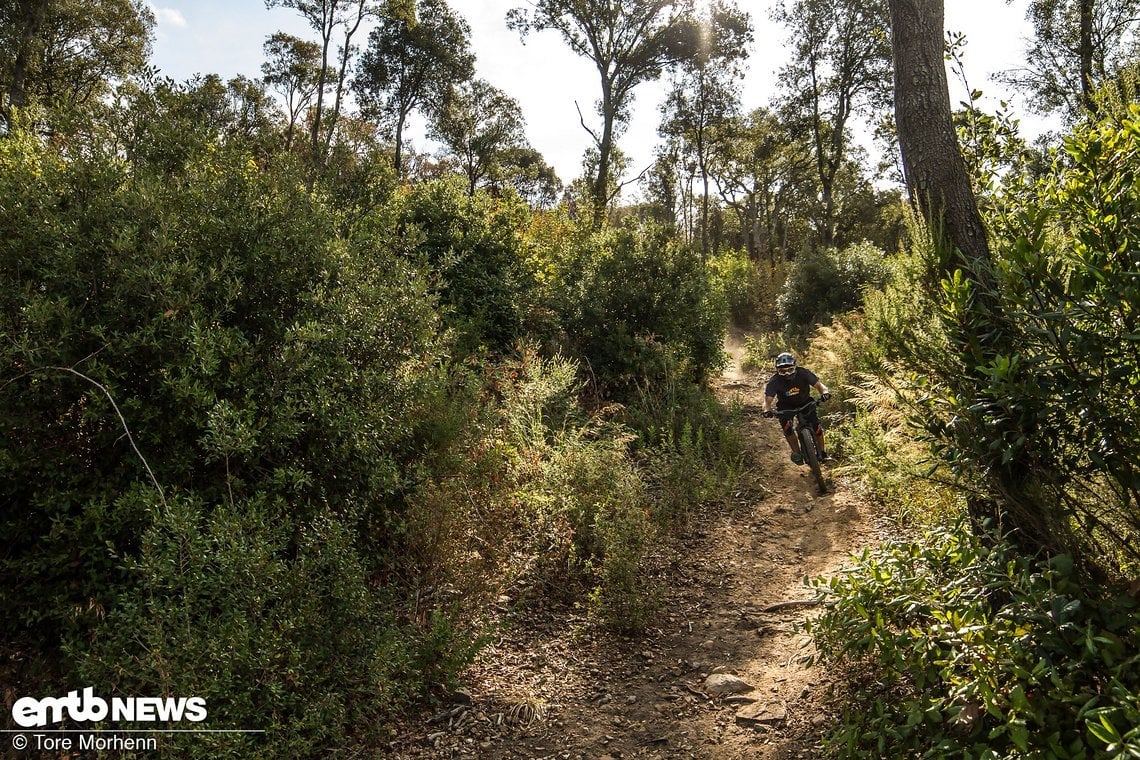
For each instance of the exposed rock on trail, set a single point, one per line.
(720, 674)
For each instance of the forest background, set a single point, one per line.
(285, 403)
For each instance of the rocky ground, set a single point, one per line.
(722, 671)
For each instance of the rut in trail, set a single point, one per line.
(556, 688)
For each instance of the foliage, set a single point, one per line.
(411, 64)
(532, 178)
(1061, 56)
(705, 97)
(328, 19)
(292, 68)
(1076, 242)
(481, 125)
(840, 64)
(636, 307)
(542, 497)
(761, 349)
(829, 282)
(690, 446)
(271, 432)
(271, 620)
(471, 245)
(630, 43)
(742, 284)
(979, 651)
(191, 348)
(762, 170)
(839, 353)
(70, 52)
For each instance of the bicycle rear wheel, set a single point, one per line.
(811, 456)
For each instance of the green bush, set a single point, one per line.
(472, 247)
(829, 282)
(741, 283)
(636, 306)
(581, 495)
(271, 620)
(978, 651)
(1042, 420)
(213, 412)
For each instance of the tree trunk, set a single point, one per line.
(398, 158)
(601, 197)
(940, 185)
(32, 14)
(1086, 54)
(935, 172)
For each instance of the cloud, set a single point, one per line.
(168, 16)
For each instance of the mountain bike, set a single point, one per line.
(805, 432)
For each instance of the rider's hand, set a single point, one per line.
(825, 397)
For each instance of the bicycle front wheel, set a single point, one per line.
(811, 456)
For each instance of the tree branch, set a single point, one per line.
(122, 420)
(582, 121)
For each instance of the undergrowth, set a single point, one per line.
(972, 650)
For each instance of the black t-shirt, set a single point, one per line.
(793, 390)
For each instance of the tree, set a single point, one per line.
(69, 51)
(761, 168)
(533, 179)
(292, 69)
(411, 63)
(935, 172)
(326, 17)
(705, 93)
(479, 125)
(629, 42)
(1078, 45)
(840, 64)
(939, 184)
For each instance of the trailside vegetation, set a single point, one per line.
(283, 450)
(1015, 637)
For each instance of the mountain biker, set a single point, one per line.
(788, 389)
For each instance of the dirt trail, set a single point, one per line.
(557, 688)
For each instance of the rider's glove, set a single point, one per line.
(825, 397)
(769, 413)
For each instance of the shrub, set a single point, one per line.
(636, 306)
(741, 283)
(1029, 423)
(761, 350)
(980, 652)
(271, 620)
(829, 282)
(542, 497)
(472, 247)
(284, 387)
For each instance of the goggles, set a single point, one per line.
(786, 370)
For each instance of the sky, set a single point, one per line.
(225, 37)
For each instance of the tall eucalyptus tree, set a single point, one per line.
(69, 52)
(840, 68)
(1077, 46)
(413, 62)
(292, 68)
(630, 42)
(705, 94)
(330, 18)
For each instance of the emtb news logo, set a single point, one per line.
(30, 712)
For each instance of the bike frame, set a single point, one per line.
(805, 432)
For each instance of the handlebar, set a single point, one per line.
(812, 401)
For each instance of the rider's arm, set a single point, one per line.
(819, 386)
(769, 403)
